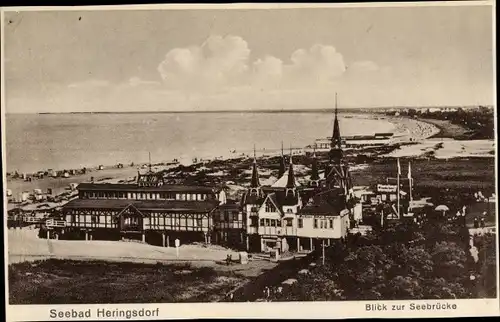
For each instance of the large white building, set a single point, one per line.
(287, 216)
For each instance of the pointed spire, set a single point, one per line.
(282, 163)
(336, 140)
(149, 166)
(336, 143)
(255, 174)
(291, 176)
(314, 174)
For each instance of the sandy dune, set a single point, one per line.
(447, 148)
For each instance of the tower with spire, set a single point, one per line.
(291, 188)
(314, 179)
(335, 172)
(336, 142)
(254, 182)
(281, 171)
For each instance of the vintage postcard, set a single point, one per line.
(250, 160)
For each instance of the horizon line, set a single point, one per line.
(300, 110)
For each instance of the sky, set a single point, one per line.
(183, 60)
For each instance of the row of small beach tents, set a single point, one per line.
(36, 195)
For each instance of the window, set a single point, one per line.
(253, 222)
(267, 222)
(270, 207)
(253, 209)
(315, 223)
(262, 222)
(95, 219)
(300, 223)
(321, 223)
(331, 223)
(226, 215)
(273, 223)
(289, 222)
(235, 216)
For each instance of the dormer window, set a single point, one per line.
(270, 207)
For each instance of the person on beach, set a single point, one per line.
(483, 223)
(476, 222)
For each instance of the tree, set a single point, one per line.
(403, 288)
(439, 288)
(486, 265)
(449, 261)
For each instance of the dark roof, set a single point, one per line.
(254, 183)
(315, 173)
(230, 206)
(275, 201)
(252, 199)
(135, 187)
(290, 183)
(324, 204)
(170, 205)
(285, 199)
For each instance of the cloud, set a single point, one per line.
(219, 61)
(220, 73)
(225, 62)
(267, 72)
(319, 64)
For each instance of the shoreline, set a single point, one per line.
(408, 128)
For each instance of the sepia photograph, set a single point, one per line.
(229, 154)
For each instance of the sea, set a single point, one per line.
(70, 141)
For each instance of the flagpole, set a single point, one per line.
(398, 191)
(410, 178)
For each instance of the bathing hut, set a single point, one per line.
(24, 196)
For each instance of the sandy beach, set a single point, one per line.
(446, 149)
(406, 130)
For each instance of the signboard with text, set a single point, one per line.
(387, 188)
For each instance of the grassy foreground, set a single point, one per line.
(84, 282)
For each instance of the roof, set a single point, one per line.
(323, 204)
(169, 205)
(275, 201)
(230, 206)
(135, 187)
(282, 182)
